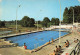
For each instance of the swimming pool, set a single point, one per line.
(37, 39)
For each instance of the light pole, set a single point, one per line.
(77, 22)
(37, 25)
(60, 23)
(37, 22)
(73, 18)
(16, 17)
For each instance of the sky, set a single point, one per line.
(37, 9)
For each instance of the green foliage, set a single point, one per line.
(2, 24)
(39, 22)
(32, 22)
(65, 16)
(78, 18)
(55, 21)
(27, 22)
(45, 22)
(68, 14)
(49, 24)
(39, 25)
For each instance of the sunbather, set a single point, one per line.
(66, 45)
(76, 41)
(56, 49)
(67, 42)
(54, 53)
(59, 48)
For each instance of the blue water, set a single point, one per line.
(38, 38)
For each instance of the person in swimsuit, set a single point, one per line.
(65, 45)
(56, 49)
(67, 42)
(25, 47)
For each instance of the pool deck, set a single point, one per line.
(20, 33)
(9, 50)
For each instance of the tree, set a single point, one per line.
(45, 22)
(2, 24)
(68, 14)
(78, 18)
(53, 21)
(27, 22)
(49, 24)
(57, 21)
(39, 22)
(65, 15)
(32, 22)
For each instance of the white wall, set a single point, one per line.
(63, 26)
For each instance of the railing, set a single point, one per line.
(76, 50)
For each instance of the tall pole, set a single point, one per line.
(77, 21)
(16, 20)
(37, 25)
(37, 22)
(73, 18)
(60, 23)
(16, 17)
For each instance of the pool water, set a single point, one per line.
(37, 39)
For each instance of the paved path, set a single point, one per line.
(44, 51)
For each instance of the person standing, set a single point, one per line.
(25, 47)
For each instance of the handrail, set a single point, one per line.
(76, 50)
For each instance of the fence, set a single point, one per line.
(76, 50)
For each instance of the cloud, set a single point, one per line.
(79, 0)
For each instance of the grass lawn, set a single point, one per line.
(19, 29)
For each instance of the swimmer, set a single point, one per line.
(25, 47)
(24, 43)
(36, 39)
(49, 41)
(41, 38)
(52, 40)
